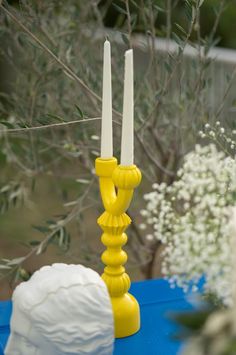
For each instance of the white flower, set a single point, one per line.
(149, 237)
(191, 217)
(95, 137)
(144, 213)
(142, 226)
(212, 134)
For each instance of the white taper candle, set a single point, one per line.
(127, 140)
(106, 134)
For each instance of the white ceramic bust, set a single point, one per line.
(62, 310)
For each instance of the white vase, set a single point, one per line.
(63, 309)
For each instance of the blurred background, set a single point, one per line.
(51, 74)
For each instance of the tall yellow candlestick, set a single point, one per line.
(117, 184)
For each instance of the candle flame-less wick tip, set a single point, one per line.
(129, 52)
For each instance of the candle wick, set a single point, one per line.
(129, 51)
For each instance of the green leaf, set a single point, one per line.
(61, 216)
(125, 39)
(7, 124)
(43, 120)
(16, 261)
(41, 249)
(158, 93)
(192, 320)
(55, 117)
(83, 181)
(134, 19)
(201, 2)
(51, 222)
(168, 67)
(120, 9)
(5, 267)
(158, 8)
(3, 158)
(34, 243)
(24, 275)
(42, 229)
(5, 260)
(5, 188)
(23, 125)
(188, 10)
(61, 237)
(134, 4)
(33, 184)
(80, 112)
(180, 28)
(177, 39)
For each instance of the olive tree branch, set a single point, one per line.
(129, 22)
(61, 124)
(37, 250)
(65, 67)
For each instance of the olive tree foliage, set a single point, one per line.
(50, 106)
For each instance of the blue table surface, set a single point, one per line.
(156, 300)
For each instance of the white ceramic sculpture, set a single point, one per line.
(62, 310)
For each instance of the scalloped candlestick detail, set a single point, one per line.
(126, 177)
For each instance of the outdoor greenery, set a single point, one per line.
(174, 11)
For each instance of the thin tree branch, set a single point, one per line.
(43, 46)
(168, 22)
(65, 67)
(36, 128)
(37, 250)
(129, 22)
(169, 79)
(151, 157)
(221, 106)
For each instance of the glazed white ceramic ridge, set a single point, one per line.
(62, 310)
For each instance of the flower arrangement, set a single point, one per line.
(191, 218)
(211, 329)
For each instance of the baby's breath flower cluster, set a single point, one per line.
(217, 334)
(191, 217)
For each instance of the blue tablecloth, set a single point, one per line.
(156, 300)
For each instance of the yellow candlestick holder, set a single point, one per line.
(117, 184)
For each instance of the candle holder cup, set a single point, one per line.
(117, 184)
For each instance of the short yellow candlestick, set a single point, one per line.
(117, 184)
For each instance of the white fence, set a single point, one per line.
(222, 69)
